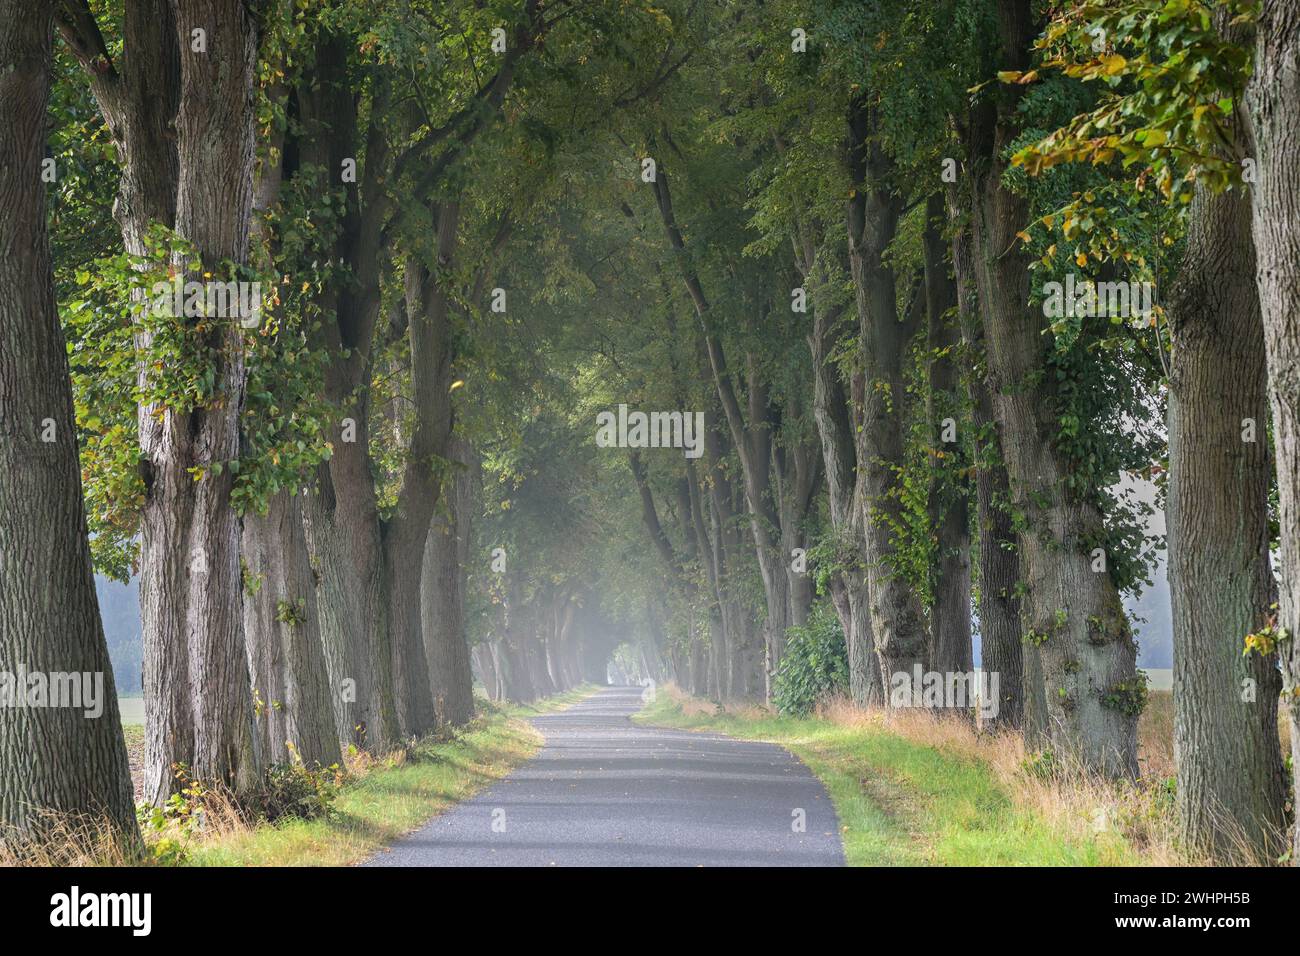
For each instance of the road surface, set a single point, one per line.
(606, 792)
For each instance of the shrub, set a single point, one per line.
(815, 664)
(293, 790)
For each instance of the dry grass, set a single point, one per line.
(68, 840)
(1073, 805)
(1071, 800)
(1156, 737)
(379, 798)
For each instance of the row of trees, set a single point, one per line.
(294, 481)
(847, 230)
(830, 229)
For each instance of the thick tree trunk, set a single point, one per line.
(184, 129)
(897, 620)
(532, 646)
(710, 555)
(198, 702)
(798, 473)
(699, 657)
(499, 666)
(835, 426)
(849, 597)
(60, 760)
(343, 539)
(446, 558)
(515, 656)
(1073, 613)
(567, 640)
(341, 517)
(291, 690)
(753, 445)
(1274, 104)
(406, 533)
(1231, 783)
(949, 493)
(293, 701)
(1002, 651)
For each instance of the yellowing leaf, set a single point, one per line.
(1113, 63)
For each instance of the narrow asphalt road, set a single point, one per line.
(606, 792)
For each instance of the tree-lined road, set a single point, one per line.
(606, 792)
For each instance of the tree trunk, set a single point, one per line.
(897, 620)
(709, 550)
(797, 471)
(406, 533)
(292, 696)
(1002, 651)
(1073, 613)
(835, 419)
(341, 517)
(753, 446)
(947, 501)
(1231, 782)
(442, 591)
(533, 647)
(63, 760)
(745, 650)
(1274, 103)
(343, 540)
(485, 669)
(293, 701)
(184, 129)
(198, 702)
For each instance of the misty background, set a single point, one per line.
(120, 606)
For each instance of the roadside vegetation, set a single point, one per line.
(912, 788)
(335, 816)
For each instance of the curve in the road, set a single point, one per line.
(606, 792)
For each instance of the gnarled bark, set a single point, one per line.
(897, 621)
(1273, 100)
(198, 702)
(61, 760)
(1002, 652)
(286, 660)
(1073, 613)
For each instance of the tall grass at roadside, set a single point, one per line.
(330, 816)
(914, 787)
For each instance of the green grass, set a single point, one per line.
(903, 803)
(390, 801)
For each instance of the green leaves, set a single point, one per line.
(815, 664)
(1170, 81)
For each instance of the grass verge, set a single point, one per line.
(908, 801)
(392, 796)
